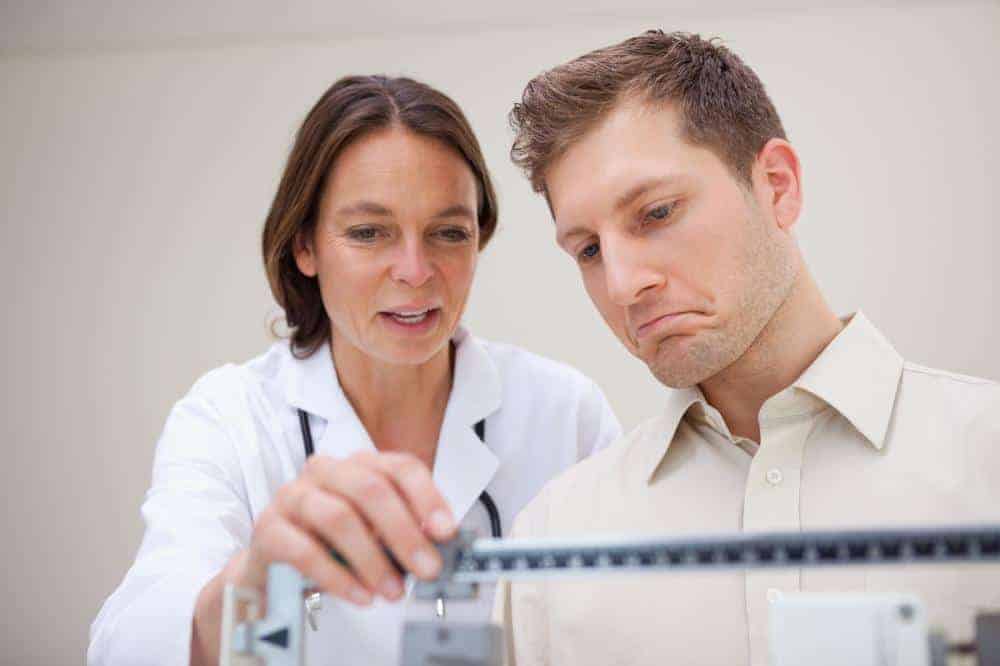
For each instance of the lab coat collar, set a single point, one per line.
(311, 385)
(463, 465)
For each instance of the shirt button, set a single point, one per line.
(773, 476)
(773, 594)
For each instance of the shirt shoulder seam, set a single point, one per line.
(944, 374)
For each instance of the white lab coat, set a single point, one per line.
(235, 438)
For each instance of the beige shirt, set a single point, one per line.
(861, 439)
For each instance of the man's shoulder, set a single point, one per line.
(935, 386)
(916, 372)
(949, 401)
(565, 498)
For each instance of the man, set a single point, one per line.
(671, 182)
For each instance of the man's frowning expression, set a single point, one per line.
(684, 261)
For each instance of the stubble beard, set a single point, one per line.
(768, 281)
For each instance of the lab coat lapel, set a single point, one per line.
(464, 465)
(313, 387)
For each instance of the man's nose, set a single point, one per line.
(412, 265)
(627, 271)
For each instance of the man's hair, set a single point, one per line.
(353, 107)
(721, 102)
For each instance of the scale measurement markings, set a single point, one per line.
(490, 559)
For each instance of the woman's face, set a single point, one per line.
(395, 245)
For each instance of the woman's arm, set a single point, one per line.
(344, 504)
(197, 517)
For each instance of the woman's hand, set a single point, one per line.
(355, 506)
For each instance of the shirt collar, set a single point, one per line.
(663, 429)
(857, 374)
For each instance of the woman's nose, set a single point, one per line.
(412, 265)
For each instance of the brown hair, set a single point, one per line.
(351, 108)
(722, 103)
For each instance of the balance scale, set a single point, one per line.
(881, 630)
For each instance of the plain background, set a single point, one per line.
(140, 145)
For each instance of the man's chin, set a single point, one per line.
(678, 373)
(674, 380)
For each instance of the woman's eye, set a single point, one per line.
(363, 234)
(455, 234)
(588, 253)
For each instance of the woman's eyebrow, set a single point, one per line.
(364, 208)
(457, 210)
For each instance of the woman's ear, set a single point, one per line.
(305, 254)
(778, 178)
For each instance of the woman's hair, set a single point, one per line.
(353, 107)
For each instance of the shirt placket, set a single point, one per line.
(770, 504)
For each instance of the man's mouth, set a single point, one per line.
(664, 323)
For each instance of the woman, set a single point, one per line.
(370, 247)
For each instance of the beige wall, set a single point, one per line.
(134, 184)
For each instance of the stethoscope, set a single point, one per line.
(313, 601)
(484, 498)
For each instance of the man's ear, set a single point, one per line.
(778, 180)
(305, 254)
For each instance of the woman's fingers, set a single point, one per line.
(421, 493)
(354, 506)
(376, 496)
(279, 540)
(339, 525)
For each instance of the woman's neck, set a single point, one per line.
(401, 406)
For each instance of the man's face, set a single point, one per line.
(684, 262)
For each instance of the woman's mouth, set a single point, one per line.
(411, 320)
(410, 317)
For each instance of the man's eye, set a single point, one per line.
(588, 253)
(660, 212)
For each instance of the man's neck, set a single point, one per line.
(400, 406)
(800, 329)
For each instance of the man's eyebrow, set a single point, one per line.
(364, 208)
(563, 237)
(643, 187)
(621, 202)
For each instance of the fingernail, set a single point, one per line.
(441, 523)
(360, 596)
(425, 563)
(391, 588)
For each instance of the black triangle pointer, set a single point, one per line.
(279, 638)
